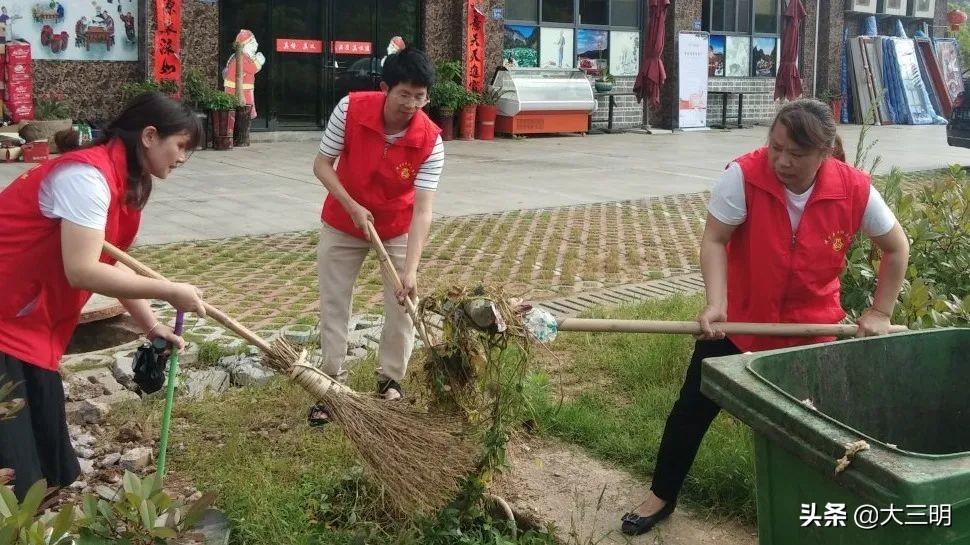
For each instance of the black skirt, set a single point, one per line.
(35, 443)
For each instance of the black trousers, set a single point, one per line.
(35, 443)
(688, 422)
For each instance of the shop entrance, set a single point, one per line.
(316, 52)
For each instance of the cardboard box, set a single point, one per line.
(9, 155)
(18, 72)
(35, 152)
(20, 92)
(19, 112)
(18, 52)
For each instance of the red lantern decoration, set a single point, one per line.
(956, 18)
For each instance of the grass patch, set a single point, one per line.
(283, 483)
(623, 387)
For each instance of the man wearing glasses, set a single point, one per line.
(388, 157)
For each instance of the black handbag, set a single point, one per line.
(150, 365)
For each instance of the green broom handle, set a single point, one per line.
(173, 367)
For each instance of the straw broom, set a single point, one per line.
(420, 458)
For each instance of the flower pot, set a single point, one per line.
(466, 122)
(447, 124)
(223, 122)
(603, 86)
(486, 122)
(836, 105)
(240, 133)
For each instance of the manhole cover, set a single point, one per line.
(100, 307)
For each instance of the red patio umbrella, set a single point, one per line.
(788, 84)
(652, 73)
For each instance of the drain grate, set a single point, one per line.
(689, 284)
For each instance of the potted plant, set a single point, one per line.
(605, 82)
(446, 98)
(194, 94)
(222, 118)
(51, 116)
(834, 100)
(487, 111)
(466, 121)
(131, 90)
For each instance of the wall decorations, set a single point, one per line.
(922, 8)
(76, 30)
(475, 46)
(592, 51)
(716, 56)
(624, 53)
(521, 46)
(556, 47)
(764, 54)
(738, 55)
(166, 58)
(864, 6)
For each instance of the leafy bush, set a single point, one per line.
(140, 514)
(131, 90)
(52, 106)
(936, 218)
(22, 523)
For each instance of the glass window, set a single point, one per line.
(594, 12)
(557, 11)
(723, 15)
(766, 16)
(625, 13)
(521, 10)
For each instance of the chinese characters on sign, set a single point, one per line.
(352, 48)
(868, 516)
(475, 48)
(168, 39)
(291, 45)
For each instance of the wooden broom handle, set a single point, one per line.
(210, 310)
(729, 328)
(388, 267)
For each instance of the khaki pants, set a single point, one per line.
(339, 259)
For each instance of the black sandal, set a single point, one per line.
(314, 418)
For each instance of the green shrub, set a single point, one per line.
(936, 219)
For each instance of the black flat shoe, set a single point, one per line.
(634, 524)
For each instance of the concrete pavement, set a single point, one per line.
(270, 188)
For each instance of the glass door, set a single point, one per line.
(297, 68)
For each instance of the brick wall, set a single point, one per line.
(758, 109)
(626, 112)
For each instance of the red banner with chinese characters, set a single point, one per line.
(352, 48)
(475, 46)
(294, 45)
(168, 40)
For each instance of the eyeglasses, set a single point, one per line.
(419, 100)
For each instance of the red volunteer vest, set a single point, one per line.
(39, 309)
(381, 180)
(776, 275)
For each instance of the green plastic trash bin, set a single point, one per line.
(906, 395)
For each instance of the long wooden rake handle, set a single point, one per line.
(387, 267)
(729, 328)
(210, 310)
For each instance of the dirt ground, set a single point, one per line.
(584, 498)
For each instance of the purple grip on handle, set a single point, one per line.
(179, 322)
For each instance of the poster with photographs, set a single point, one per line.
(948, 54)
(624, 53)
(556, 47)
(521, 47)
(893, 7)
(765, 57)
(73, 30)
(864, 6)
(716, 56)
(922, 8)
(738, 54)
(592, 51)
